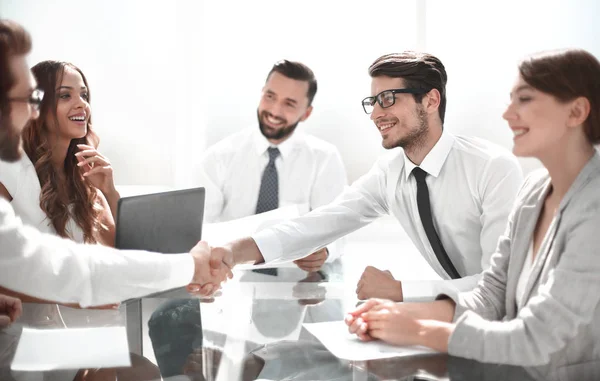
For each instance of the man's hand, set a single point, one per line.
(10, 310)
(375, 283)
(212, 267)
(314, 261)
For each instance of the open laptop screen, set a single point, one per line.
(167, 222)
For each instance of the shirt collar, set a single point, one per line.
(435, 159)
(285, 148)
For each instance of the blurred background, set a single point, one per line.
(169, 78)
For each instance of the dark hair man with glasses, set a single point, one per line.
(272, 164)
(452, 194)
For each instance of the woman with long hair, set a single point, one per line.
(77, 192)
(539, 302)
(63, 185)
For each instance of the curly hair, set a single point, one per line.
(57, 198)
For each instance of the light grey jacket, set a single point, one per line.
(559, 321)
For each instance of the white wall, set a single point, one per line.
(337, 39)
(169, 78)
(142, 73)
(481, 42)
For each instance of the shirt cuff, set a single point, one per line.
(181, 269)
(268, 244)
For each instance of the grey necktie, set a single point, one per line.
(268, 196)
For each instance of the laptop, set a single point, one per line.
(166, 222)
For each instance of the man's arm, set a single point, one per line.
(359, 205)
(52, 268)
(329, 184)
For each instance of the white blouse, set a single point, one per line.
(21, 181)
(524, 277)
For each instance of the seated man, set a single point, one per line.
(451, 194)
(260, 169)
(252, 172)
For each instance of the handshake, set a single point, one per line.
(212, 266)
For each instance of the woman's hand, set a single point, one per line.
(384, 320)
(390, 322)
(96, 169)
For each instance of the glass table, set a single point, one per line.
(253, 330)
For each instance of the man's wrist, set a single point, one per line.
(399, 293)
(245, 250)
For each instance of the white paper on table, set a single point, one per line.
(52, 349)
(336, 338)
(220, 233)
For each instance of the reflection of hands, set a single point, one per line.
(384, 320)
(194, 364)
(314, 261)
(96, 169)
(10, 310)
(400, 367)
(375, 283)
(309, 285)
(211, 269)
(114, 306)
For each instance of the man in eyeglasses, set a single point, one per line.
(452, 194)
(57, 269)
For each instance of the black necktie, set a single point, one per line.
(268, 196)
(427, 220)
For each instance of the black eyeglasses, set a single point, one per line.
(35, 99)
(387, 98)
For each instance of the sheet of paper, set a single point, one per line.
(336, 338)
(51, 349)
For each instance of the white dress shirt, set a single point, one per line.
(310, 172)
(53, 268)
(472, 185)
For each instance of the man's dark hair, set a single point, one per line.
(418, 70)
(299, 72)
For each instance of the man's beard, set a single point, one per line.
(416, 138)
(279, 134)
(10, 142)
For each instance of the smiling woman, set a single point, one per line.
(62, 186)
(76, 203)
